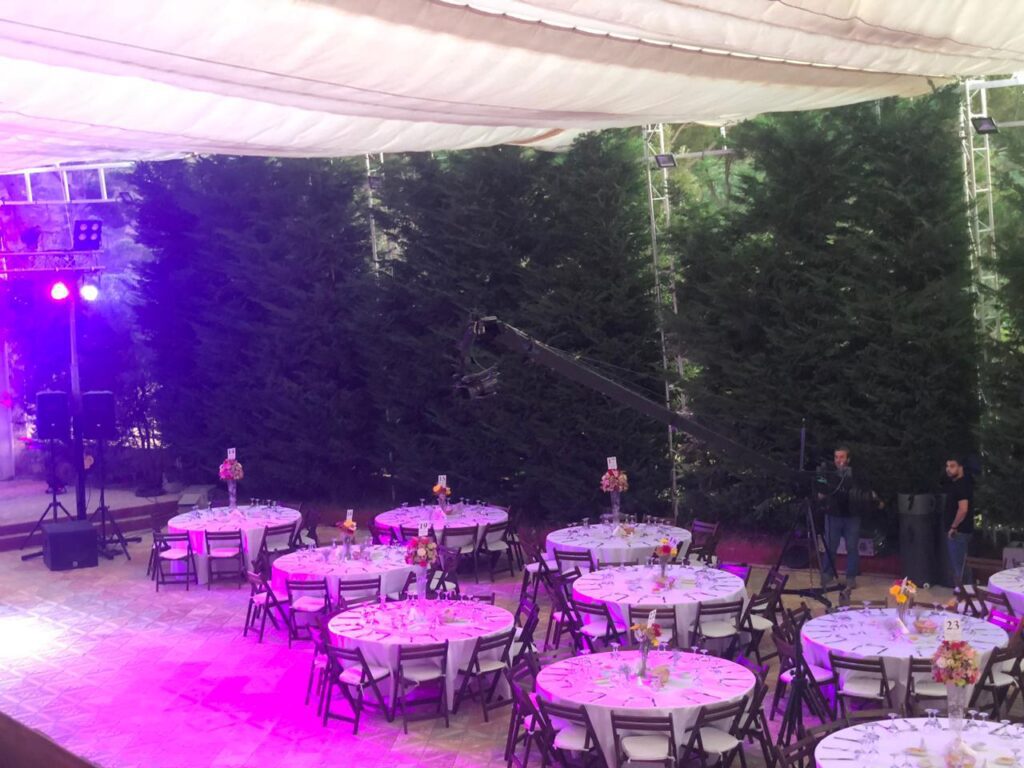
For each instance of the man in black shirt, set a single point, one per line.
(959, 515)
(841, 521)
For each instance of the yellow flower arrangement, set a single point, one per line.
(902, 590)
(440, 489)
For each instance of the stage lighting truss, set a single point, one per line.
(27, 262)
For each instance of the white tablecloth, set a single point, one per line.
(1011, 583)
(910, 742)
(251, 521)
(379, 631)
(597, 682)
(877, 634)
(642, 586)
(304, 565)
(459, 516)
(606, 546)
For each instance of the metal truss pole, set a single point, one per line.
(378, 242)
(660, 214)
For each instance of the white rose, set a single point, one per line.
(940, 663)
(421, 552)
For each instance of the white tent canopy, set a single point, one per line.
(100, 80)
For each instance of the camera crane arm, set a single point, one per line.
(493, 330)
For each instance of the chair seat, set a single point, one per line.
(308, 604)
(421, 672)
(646, 747)
(572, 737)
(929, 689)
(490, 665)
(1001, 679)
(717, 628)
(820, 674)
(174, 554)
(533, 568)
(861, 686)
(496, 546)
(354, 675)
(717, 741)
(261, 598)
(224, 552)
(760, 623)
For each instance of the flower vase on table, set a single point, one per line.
(648, 636)
(442, 492)
(955, 663)
(614, 482)
(231, 471)
(421, 584)
(956, 696)
(902, 592)
(421, 553)
(348, 535)
(665, 550)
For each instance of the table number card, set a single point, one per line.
(952, 629)
(424, 528)
(652, 617)
(348, 515)
(231, 453)
(442, 480)
(613, 463)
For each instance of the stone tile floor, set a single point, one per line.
(128, 677)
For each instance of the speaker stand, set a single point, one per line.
(51, 509)
(108, 543)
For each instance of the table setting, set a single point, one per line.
(366, 560)
(924, 743)
(459, 514)
(628, 541)
(871, 632)
(644, 586)
(677, 683)
(1011, 583)
(250, 519)
(380, 629)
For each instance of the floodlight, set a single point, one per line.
(984, 125)
(59, 291)
(665, 161)
(89, 292)
(88, 235)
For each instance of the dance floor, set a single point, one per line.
(125, 677)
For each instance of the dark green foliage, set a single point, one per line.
(251, 308)
(836, 290)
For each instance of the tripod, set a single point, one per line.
(52, 508)
(807, 532)
(116, 538)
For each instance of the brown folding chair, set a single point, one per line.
(309, 521)
(225, 549)
(350, 673)
(418, 666)
(486, 667)
(494, 545)
(526, 727)
(595, 621)
(920, 686)
(718, 621)
(644, 739)
(569, 559)
(576, 737)
(167, 550)
(988, 601)
(263, 604)
(705, 541)
(1001, 679)
(278, 540)
(462, 539)
(736, 569)
(350, 590)
(715, 734)
(865, 679)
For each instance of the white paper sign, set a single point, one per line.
(613, 463)
(348, 514)
(424, 528)
(652, 617)
(442, 480)
(231, 453)
(952, 628)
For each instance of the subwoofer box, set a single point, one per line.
(69, 544)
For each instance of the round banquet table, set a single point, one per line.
(459, 516)
(1011, 583)
(606, 546)
(877, 633)
(326, 562)
(914, 743)
(640, 586)
(598, 683)
(379, 630)
(251, 521)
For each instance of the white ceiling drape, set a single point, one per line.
(95, 80)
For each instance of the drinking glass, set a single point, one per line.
(615, 650)
(892, 723)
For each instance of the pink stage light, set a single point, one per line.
(59, 291)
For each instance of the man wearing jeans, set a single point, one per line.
(842, 522)
(959, 515)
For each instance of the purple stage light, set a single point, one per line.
(59, 291)
(89, 292)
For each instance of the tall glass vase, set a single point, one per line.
(346, 547)
(645, 648)
(232, 494)
(957, 702)
(616, 506)
(421, 583)
(663, 563)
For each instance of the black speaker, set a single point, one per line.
(69, 544)
(98, 416)
(53, 420)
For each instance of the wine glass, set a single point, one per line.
(892, 722)
(972, 723)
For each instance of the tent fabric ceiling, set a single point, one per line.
(98, 80)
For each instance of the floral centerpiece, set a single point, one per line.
(421, 553)
(615, 482)
(955, 663)
(231, 471)
(665, 550)
(442, 492)
(903, 591)
(649, 636)
(348, 529)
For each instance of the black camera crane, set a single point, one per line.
(485, 383)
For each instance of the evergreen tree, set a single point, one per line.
(252, 308)
(835, 290)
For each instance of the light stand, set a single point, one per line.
(52, 508)
(108, 543)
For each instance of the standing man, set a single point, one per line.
(959, 515)
(841, 521)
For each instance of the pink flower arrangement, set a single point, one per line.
(421, 551)
(614, 480)
(955, 662)
(231, 469)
